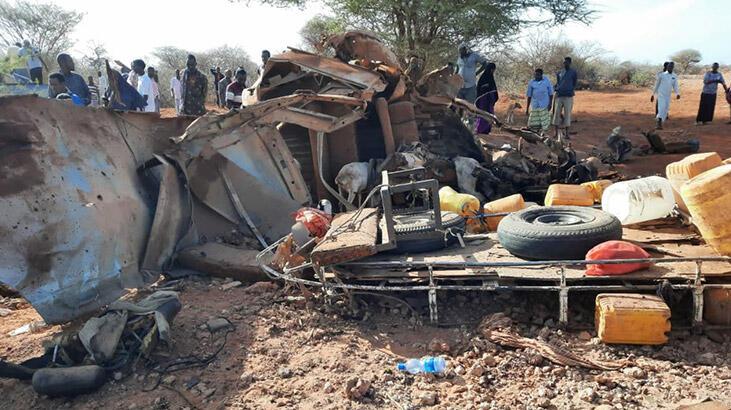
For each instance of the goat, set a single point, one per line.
(468, 170)
(353, 179)
(357, 177)
(621, 146)
(510, 115)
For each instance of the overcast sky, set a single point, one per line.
(640, 30)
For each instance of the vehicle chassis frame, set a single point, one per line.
(696, 285)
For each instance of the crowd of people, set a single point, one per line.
(137, 87)
(551, 103)
(548, 103)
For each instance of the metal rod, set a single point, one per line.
(336, 194)
(563, 300)
(468, 264)
(433, 310)
(698, 297)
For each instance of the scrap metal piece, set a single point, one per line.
(363, 83)
(433, 306)
(221, 260)
(442, 84)
(256, 161)
(171, 220)
(213, 124)
(362, 45)
(239, 207)
(698, 298)
(563, 299)
(75, 218)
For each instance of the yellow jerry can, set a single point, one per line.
(631, 318)
(565, 194)
(597, 188)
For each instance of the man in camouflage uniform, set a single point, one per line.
(195, 88)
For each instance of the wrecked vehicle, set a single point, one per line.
(98, 202)
(82, 221)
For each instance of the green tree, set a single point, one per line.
(225, 56)
(170, 58)
(686, 59)
(434, 28)
(318, 29)
(95, 57)
(515, 65)
(47, 26)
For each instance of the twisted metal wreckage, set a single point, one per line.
(96, 202)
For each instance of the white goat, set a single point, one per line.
(353, 179)
(466, 175)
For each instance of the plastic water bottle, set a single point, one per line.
(427, 364)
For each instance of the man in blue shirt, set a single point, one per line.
(74, 82)
(467, 68)
(565, 86)
(57, 84)
(540, 96)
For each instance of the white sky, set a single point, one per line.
(651, 30)
(640, 30)
(132, 30)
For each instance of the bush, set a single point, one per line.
(644, 77)
(515, 66)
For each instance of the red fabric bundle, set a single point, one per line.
(616, 250)
(316, 221)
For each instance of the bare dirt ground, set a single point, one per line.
(289, 352)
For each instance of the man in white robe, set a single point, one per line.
(665, 84)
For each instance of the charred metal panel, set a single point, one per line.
(75, 217)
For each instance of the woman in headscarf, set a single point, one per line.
(487, 96)
(708, 96)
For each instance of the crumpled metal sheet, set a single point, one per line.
(293, 62)
(268, 189)
(441, 85)
(356, 45)
(172, 218)
(75, 216)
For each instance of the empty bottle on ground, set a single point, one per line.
(426, 364)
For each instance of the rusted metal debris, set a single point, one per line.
(95, 201)
(75, 215)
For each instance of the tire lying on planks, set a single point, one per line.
(416, 232)
(557, 232)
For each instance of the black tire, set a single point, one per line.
(415, 233)
(557, 232)
(424, 222)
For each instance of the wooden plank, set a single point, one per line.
(350, 238)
